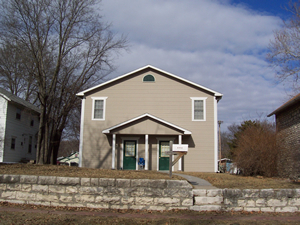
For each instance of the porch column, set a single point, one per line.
(113, 151)
(146, 152)
(180, 162)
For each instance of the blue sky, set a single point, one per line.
(220, 44)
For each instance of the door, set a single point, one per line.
(129, 157)
(164, 146)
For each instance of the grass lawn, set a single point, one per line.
(220, 180)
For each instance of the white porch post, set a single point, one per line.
(81, 130)
(179, 161)
(113, 151)
(146, 152)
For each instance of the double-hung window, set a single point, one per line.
(99, 108)
(198, 108)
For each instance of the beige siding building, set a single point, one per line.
(140, 115)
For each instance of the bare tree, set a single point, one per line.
(284, 53)
(70, 48)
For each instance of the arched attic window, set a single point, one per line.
(148, 78)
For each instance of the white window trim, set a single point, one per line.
(204, 108)
(104, 107)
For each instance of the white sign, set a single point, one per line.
(180, 148)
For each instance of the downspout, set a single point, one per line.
(81, 130)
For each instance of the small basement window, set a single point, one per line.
(149, 78)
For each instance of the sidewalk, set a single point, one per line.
(197, 183)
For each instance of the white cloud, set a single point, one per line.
(212, 43)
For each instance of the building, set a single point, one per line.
(140, 114)
(288, 129)
(19, 124)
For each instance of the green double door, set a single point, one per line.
(129, 155)
(164, 146)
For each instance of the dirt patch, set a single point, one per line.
(29, 214)
(225, 180)
(69, 171)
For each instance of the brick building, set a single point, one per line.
(288, 129)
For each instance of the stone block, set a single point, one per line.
(57, 189)
(97, 205)
(84, 198)
(25, 196)
(71, 189)
(267, 209)
(40, 188)
(69, 181)
(180, 193)
(134, 192)
(47, 180)
(55, 204)
(284, 193)
(266, 193)
(108, 199)
(161, 184)
(157, 208)
(107, 182)
(251, 209)
(276, 202)
(17, 201)
(233, 209)
(2, 186)
(144, 201)
(297, 193)
(77, 205)
(113, 191)
(5, 178)
(8, 195)
(95, 182)
(13, 187)
(91, 190)
(118, 207)
(246, 203)
(26, 187)
(261, 202)
(199, 192)
(153, 192)
(214, 192)
(187, 202)
(250, 193)
(66, 198)
(128, 200)
(228, 202)
(178, 184)
(139, 183)
(28, 179)
(286, 209)
(47, 197)
(85, 181)
(206, 208)
(167, 201)
(123, 183)
(208, 200)
(232, 193)
(294, 202)
(39, 203)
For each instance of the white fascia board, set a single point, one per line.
(154, 68)
(5, 97)
(107, 131)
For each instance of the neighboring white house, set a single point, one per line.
(19, 124)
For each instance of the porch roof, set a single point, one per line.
(146, 115)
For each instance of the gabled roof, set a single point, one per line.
(13, 98)
(217, 94)
(291, 102)
(107, 131)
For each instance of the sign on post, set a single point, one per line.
(179, 150)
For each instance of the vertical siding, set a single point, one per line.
(21, 130)
(167, 99)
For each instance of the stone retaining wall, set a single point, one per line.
(141, 194)
(96, 192)
(265, 200)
